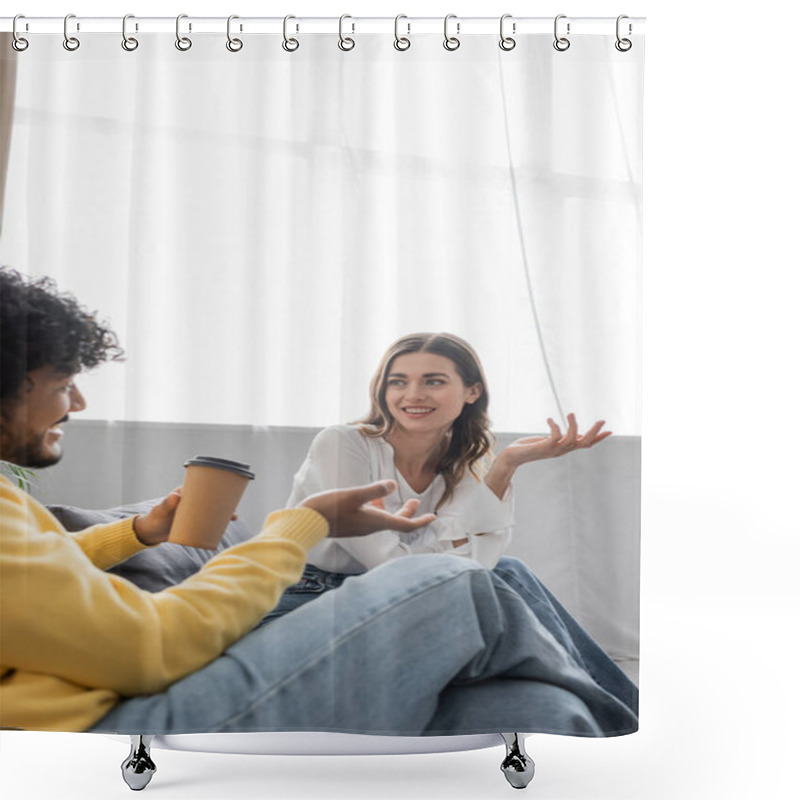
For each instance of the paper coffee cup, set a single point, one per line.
(212, 488)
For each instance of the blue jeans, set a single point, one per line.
(567, 631)
(521, 579)
(425, 645)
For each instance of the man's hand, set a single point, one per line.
(154, 526)
(352, 512)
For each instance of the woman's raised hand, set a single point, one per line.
(535, 448)
(355, 512)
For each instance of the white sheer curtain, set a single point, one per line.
(259, 226)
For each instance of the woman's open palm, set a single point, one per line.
(535, 448)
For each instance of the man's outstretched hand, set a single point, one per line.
(350, 512)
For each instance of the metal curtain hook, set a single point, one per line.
(129, 43)
(18, 42)
(181, 42)
(561, 43)
(623, 45)
(506, 42)
(289, 44)
(234, 45)
(70, 42)
(401, 42)
(451, 42)
(346, 42)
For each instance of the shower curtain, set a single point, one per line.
(260, 212)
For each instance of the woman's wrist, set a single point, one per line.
(498, 479)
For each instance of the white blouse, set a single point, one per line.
(342, 457)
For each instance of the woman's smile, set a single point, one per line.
(418, 411)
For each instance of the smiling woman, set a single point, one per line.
(428, 430)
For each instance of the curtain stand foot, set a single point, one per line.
(138, 768)
(517, 766)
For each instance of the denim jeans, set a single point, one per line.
(425, 645)
(521, 579)
(567, 631)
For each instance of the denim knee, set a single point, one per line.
(424, 570)
(514, 567)
(433, 562)
(521, 578)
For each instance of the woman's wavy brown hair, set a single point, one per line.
(469, 438)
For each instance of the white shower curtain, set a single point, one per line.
(259, 225)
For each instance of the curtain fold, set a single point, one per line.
(246, 218)
(8, 79)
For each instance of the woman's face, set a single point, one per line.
(425, 393)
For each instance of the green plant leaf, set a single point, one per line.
(23, 477)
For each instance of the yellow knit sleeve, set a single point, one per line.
(64, 617)
(107, 545)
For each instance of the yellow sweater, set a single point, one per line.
(75, 640)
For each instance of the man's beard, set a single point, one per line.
(31, 453)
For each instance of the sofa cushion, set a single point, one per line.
(158, 567)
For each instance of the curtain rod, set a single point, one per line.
(311, 25)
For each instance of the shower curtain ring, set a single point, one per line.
(183, 43)
(289, 44)
(506, 42)
(623, 45)
(346, 43)
(401, 42)
(561, 43)
(451, 42)
(18, 42)
(70, 42)
(129, 43)
(234, 45)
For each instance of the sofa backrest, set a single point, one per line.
(577, 516)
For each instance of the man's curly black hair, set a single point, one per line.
(40, 327)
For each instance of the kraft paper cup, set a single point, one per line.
(212, 488)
